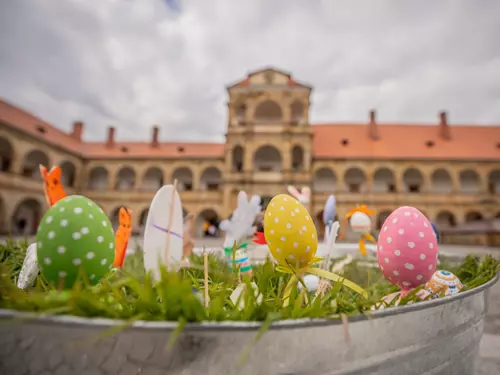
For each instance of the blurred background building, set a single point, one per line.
(450, 172)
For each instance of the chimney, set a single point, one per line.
(156, 131)
(77, 130)
(372, 126)
(444, 128)
(110, 142)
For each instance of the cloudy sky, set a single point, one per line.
(134, 63)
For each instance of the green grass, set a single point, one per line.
(130, 294)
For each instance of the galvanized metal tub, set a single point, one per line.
(436, 337)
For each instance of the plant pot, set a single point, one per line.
(436, 337)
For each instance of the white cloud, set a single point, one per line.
(137, 63)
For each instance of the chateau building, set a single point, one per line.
(450, 172)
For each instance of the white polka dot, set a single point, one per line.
(411, 245)
(425, 224)
(90, 255)
(104, 261)
(278, 250)
(269, 213)
(409, 266)
(415, 215)
(282, 208)
(308, 218)
(111, 245)
(76, 236)
(431, 245)
(430, 267)
(84, 230)
(283, 238)
(62, 274)
(47, 261)
(421, 234)
(386, 260)
(407, 213)
(395, 220)
(422, 256)
(297, 210)
(419, 277)
(380, 248)
(401, 231)
(389, 240)
(61, 249)
(100, 239)
(295, 244)
(313, 236)
(397, 252)
(49, 219)
(292, 213)
(61, 209)
(110, 266)
(285, 199)
(385, 229)
(104, 224)
(91, 216)
(406, 283)
(90, 204)
(291, 256)
(304, 228)
(92, 277)
(289, 225)
(51, 234)
(276, 220)
(64, 223)
(308, 248)
(77, 261)
(271, 231)
(395, 273)
(300, 232)
(272, 204)
(77, 210)
(39, 245)
(381, 267)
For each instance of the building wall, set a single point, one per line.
(268, 146)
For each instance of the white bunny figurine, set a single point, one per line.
(240, 226)
(303, 196)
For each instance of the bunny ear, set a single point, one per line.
(294, 192)
(306, 192)
(242, 198)
(224, 225)
(332, 236)
(255, 202)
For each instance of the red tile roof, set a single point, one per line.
(395, 141)
(402, 141)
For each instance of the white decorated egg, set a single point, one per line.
(360, 222)
(443, 281)
(407, 248)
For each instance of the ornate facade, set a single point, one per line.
(451, 173)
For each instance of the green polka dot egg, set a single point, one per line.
(290, 232)
(73, 235)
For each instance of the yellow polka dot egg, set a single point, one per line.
(290, 232)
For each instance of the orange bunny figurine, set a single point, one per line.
(52, 185)
(122, 236)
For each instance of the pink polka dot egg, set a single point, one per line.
(407, 248)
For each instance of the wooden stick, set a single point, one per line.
(205, 264)
(345, 324)
(170, 217)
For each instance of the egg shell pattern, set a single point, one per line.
(290, 231)
(75, 233)
(443, 281)
(407, 248)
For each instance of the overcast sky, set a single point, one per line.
(134, 63)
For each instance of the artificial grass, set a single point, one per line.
(130, 294)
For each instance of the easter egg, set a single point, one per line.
(75, 234)
(443, 281)
(360, 222)
(407, 248)
(290, 232)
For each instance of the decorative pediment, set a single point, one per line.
(268, 77)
